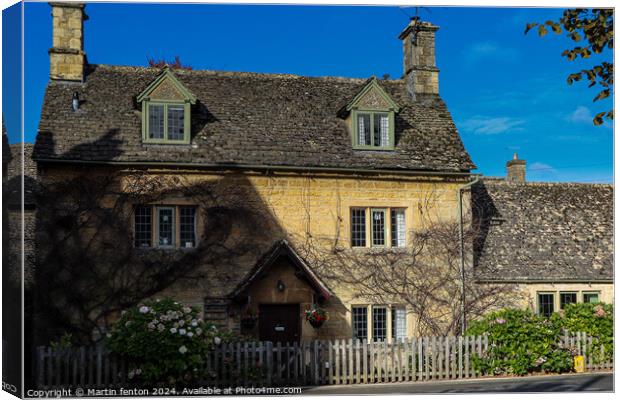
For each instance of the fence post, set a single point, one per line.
(269, 361)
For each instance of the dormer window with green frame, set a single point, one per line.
(166, 110)
(372, 118)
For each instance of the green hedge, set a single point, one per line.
(597, 320)
(521, 342)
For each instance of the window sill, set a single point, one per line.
(380, 249)
(373, 148)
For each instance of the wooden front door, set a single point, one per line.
(279, 322)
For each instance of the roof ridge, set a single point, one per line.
(241, 73)
(531, 183)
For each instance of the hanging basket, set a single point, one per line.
(316, 316)
(316, 324)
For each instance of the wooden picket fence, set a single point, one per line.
(308, 363)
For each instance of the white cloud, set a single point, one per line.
(581, 114)
(491, 125)
(541, 168)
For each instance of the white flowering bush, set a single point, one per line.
(164, 341)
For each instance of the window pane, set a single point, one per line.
(363, 129)
(381, 131)
(360, 322)
(379, 323)
(166, 226)
(175, 122)
(156, 121)
(545, 304)
(398, 228)
(358, 227)
(142, 226)
(567, 298)
(378, 227)
(187, 226)
(590, 298)
(399, 323)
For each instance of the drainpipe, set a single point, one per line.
(462, 248)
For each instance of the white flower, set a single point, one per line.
(160, 327)
(127, 324)
(173, 330)
(138, 371)
(198, 331)
(130, 374)
(190, 334)
(157, 300)
(194, 322)
(187, 310)
(181, 323)
(217, 341)
(109, 335)
(182, 349)
(144, 309)
(182, 331)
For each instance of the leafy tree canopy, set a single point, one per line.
(593, 32)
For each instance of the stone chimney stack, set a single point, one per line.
(67, 57)
(419, 66)
(515, 170)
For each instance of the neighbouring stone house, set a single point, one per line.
(266, 171)
(553, 240)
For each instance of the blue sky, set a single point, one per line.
(506, 91)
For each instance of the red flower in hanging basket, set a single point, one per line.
(316, 316)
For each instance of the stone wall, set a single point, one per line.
(67, 57)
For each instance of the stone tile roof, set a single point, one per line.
(244, 119)
(543, 231)
(14, 172)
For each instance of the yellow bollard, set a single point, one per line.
(579, 364)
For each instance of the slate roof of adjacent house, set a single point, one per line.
(543, 231)
(14, 175)
(244, 119)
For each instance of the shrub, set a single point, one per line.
(164, 342)
(596, 320)
(520, 342)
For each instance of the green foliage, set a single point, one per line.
(165, 342)
(520, 342)
(596, 320)
(593, 30)
(65, 342)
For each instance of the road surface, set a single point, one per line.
(595, 382)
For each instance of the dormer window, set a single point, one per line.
(166, 111)
(374, 129)
(371, 116)
(166, 122)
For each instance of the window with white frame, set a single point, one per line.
(359, 322)
(399, 323)
(358, 227)
(378, 227)
(165, 226)
(379, 323)
(398, 227)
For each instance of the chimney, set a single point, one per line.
(67, 57)
(419, 66)
(515, 170)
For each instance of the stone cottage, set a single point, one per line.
(261, 177)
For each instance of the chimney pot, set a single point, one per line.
(515, 170)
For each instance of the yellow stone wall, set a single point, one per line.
(529, 299)
(317, 205)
